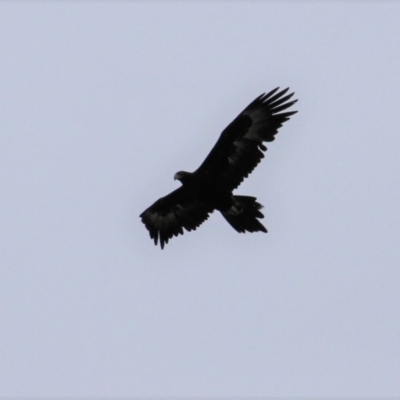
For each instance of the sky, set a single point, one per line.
(101, 103)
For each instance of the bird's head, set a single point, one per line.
(182, 176)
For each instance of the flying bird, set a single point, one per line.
(237, 152)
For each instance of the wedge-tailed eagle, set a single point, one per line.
(235, 155)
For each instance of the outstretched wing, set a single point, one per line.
(240, 147)
(169, 215)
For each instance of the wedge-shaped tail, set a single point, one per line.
(244, 214)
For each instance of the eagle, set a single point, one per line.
(238, 150)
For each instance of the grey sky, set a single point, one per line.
(101, 103)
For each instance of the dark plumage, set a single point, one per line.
(235, 155)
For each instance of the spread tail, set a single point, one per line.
(243, 214)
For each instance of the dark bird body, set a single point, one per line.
(237, 152)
